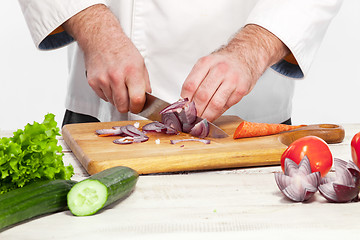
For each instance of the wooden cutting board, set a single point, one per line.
(98, 153)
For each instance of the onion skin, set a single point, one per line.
(344, 187)
(297, 182)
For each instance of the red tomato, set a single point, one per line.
(355, 149)
(315, 149)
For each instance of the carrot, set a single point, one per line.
(106, 135)
(251, 129)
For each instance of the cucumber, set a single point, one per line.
(33, 200)
(101, 189)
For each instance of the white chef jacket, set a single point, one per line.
(172, 35)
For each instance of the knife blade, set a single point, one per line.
(154, 105)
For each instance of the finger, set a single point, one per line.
(137, 86)
(99, 87)
(208, 87)
(195, 77)
(217, 105)
(147, 82)
(108, 92)
(120, 96)
(100, 93)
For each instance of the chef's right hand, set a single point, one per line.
(114, 67)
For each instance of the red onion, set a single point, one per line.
(181, 116)
(128, 140)
(109, 132)
(154, 127)
(172, 120)
(131, 130)
(176, 106)
(188, 113)
(124, 140)
(201, 129)
(297, 182)
(159, 127)
(344, 186)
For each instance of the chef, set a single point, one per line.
(229, 56)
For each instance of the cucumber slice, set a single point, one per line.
(98, 191)
(87, 197)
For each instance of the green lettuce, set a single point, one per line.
(32, 154)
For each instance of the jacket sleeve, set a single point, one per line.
(300, 25)
(44, 19)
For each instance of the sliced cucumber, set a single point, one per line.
(98, 191)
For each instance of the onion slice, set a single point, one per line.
(159, 127)
(297, 182)
(201, 129)
(128, 140)
(131, 130)
(154, 127)
(182, 116)
(109, 132)
(124, 140)
(206, 141)
(344, 187)
(171, 119)
(176, 106)
(188, 113)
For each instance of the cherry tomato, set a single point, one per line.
(355, 149)
(317, 151)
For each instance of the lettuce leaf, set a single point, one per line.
(32, 154)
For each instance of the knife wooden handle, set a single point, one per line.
(330, 133)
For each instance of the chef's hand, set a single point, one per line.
(114, 67)
(221, 79)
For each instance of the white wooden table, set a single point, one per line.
(230, 204)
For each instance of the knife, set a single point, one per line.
(154, 105)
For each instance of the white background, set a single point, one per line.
(33, 82)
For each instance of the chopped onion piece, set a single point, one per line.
(188, 114)
(172, 120)
(201, 129)
(109, 132)
(132, 131)
(157, 141)
(124, 140)
(176, 106)
(128, 140)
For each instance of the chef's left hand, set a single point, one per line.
(221, 79)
